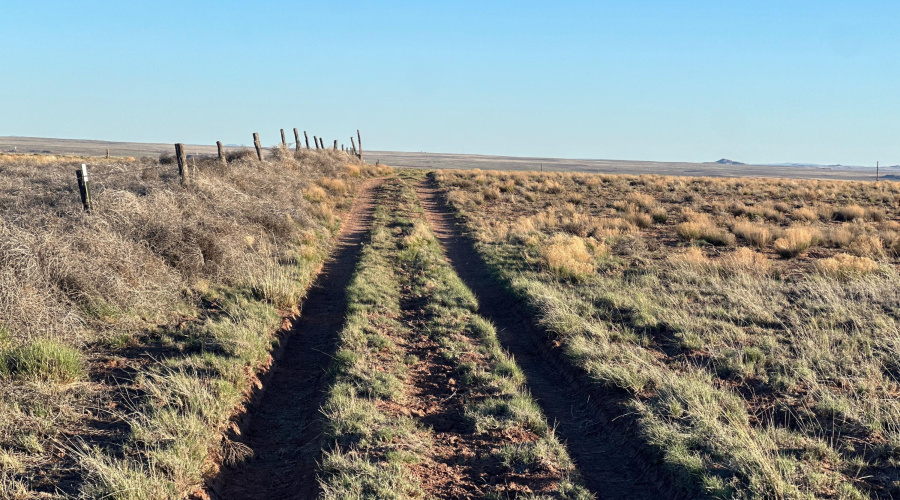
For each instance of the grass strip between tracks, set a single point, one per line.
(382, 436)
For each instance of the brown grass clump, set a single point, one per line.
(757, 234)
(569, 256)
(690, 231)
(867, 246)
(838, 237)
(745, 260)
(639, 219)
(844, 266)
(692, 258)
(643, 200)
(706, 230)
(552, 187)
(315, 194)
(795, 241)
(491, 193)
(849, 213)
(805, 214)
(334, 186)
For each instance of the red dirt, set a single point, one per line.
(283, 429)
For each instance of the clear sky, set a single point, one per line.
(761, 81)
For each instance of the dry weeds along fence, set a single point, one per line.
(186, 170)
(128, 335)
(753, 324)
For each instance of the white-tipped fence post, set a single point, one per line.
(84, 188)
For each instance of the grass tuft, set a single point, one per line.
(43, 360)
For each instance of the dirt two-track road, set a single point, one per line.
(283, 427)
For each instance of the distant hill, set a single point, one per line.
(726, 161)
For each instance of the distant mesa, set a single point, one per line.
(726, 161)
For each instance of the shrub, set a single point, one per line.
(706, 231)
(568, 257)
(334, 186)
(843, 266)
(642, 200)
(849, 213)
(805, 214)
(45, 360)
(240, 154)
(795, 241)
(692, 258)
(867, 246)
(316, 194)
(491, 193)
(552, 187)
(756, 234)
(640, 219)
(689, 230)
(839, 237)
(659, 215)
(745, 260)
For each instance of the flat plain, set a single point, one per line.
(428, 161)
(310, 325)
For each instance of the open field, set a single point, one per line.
(429, 161)
(313, 326)
(748, 327)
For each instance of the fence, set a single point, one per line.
(186, 170)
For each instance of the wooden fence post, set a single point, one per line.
(182, 165)
(221, 149)
(352, 145)
(307, 139)
(283, 140)
(258, 146)
(359, 141)
(296, 140)
(322, 142)
(335, 144)
(84, 188)
(107, 154)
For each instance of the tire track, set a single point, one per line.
(612, 462)
(285, 427)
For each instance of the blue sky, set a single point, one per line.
(787, 81)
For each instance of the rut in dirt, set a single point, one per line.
(613, 464)
(285, 427)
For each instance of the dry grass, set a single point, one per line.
(175, 290)
(761, 366)
(843, 266)
(756, 234)
(568, 256)
(795, 241)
